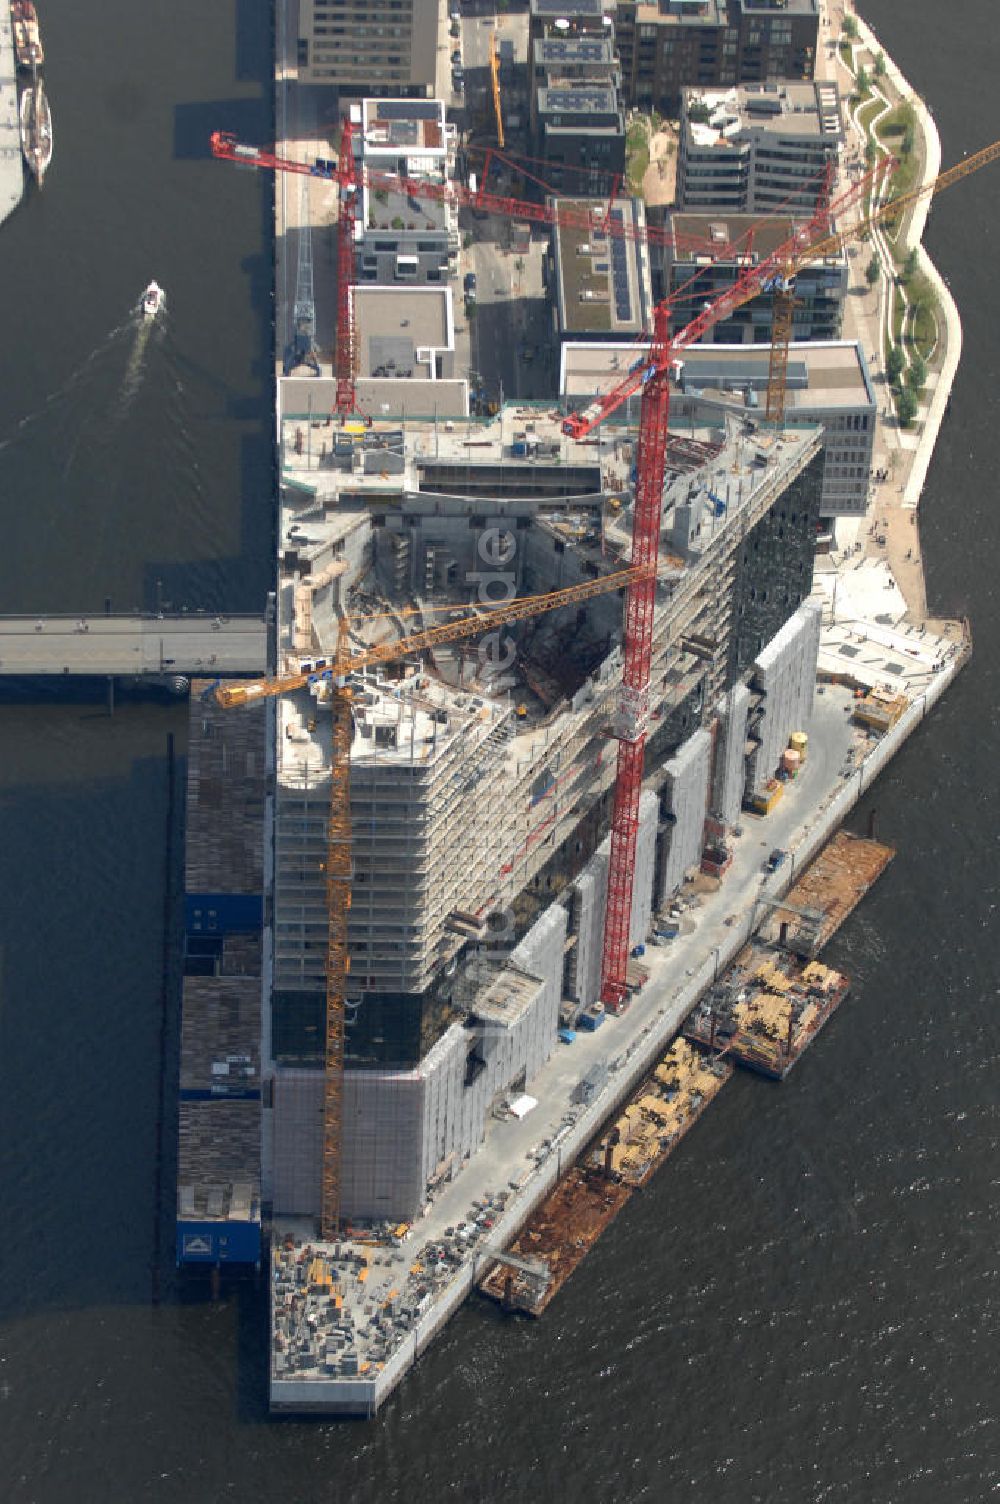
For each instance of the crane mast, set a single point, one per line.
(630, 721)
(346, 356)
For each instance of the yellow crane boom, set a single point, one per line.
(481, 619)
(338, 864)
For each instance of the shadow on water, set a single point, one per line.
(82, 992)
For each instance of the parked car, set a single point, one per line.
(775, 860)
(456, 59)
(470, 284)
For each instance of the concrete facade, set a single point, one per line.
(684, 802)
(729, 771)
(784, 679)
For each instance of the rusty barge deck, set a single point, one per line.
(569, 1221)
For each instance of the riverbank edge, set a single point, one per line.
(944, 380)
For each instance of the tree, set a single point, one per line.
(850, 28)
(871, 152)
(906, 407)
(894, 363)
(880, 65)
(873, 271)
(916, 376)
(910, 263)
(862, 81)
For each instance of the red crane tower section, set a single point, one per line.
(630, 721)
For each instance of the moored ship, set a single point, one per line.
(36, 130)
(27, 38)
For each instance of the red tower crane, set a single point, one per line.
(650, 374)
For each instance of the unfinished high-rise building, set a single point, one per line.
(481, 772)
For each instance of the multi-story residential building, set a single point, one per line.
(706, 253)
(666, 45)
(399, 238)
(760, 149)
(577, 118)
(369, 46)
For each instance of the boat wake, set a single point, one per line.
(85, 371)
(148, 325)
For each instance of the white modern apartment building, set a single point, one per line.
(757, 149)
(401, 236)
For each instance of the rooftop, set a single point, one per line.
(578, 99)
(403, 127)
(807, 110)
(400, 329)
(683, 13)
(603, 280)
(551, 52)
(406, 721)
(820, 375)
(722, 237)
(569, 10)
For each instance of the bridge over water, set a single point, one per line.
(148, 645)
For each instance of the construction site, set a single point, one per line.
(543, 687)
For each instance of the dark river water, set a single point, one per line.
(804, 1305)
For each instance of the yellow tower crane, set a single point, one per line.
(830, 246)
(338, 863)
(495, 82)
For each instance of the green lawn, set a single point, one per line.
(636, 154)
(898, 309)
(923, 331)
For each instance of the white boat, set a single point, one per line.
(36, 129)
(153, 300)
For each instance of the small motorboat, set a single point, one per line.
(153, 300)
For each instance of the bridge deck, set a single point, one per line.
(121, 645)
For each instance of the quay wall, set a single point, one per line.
(365, 1398)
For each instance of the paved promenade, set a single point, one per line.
(124, 645)
(902, 456)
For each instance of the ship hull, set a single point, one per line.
(36, 130)
(27, 38)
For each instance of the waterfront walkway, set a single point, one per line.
(902, 456)
(127, 645)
